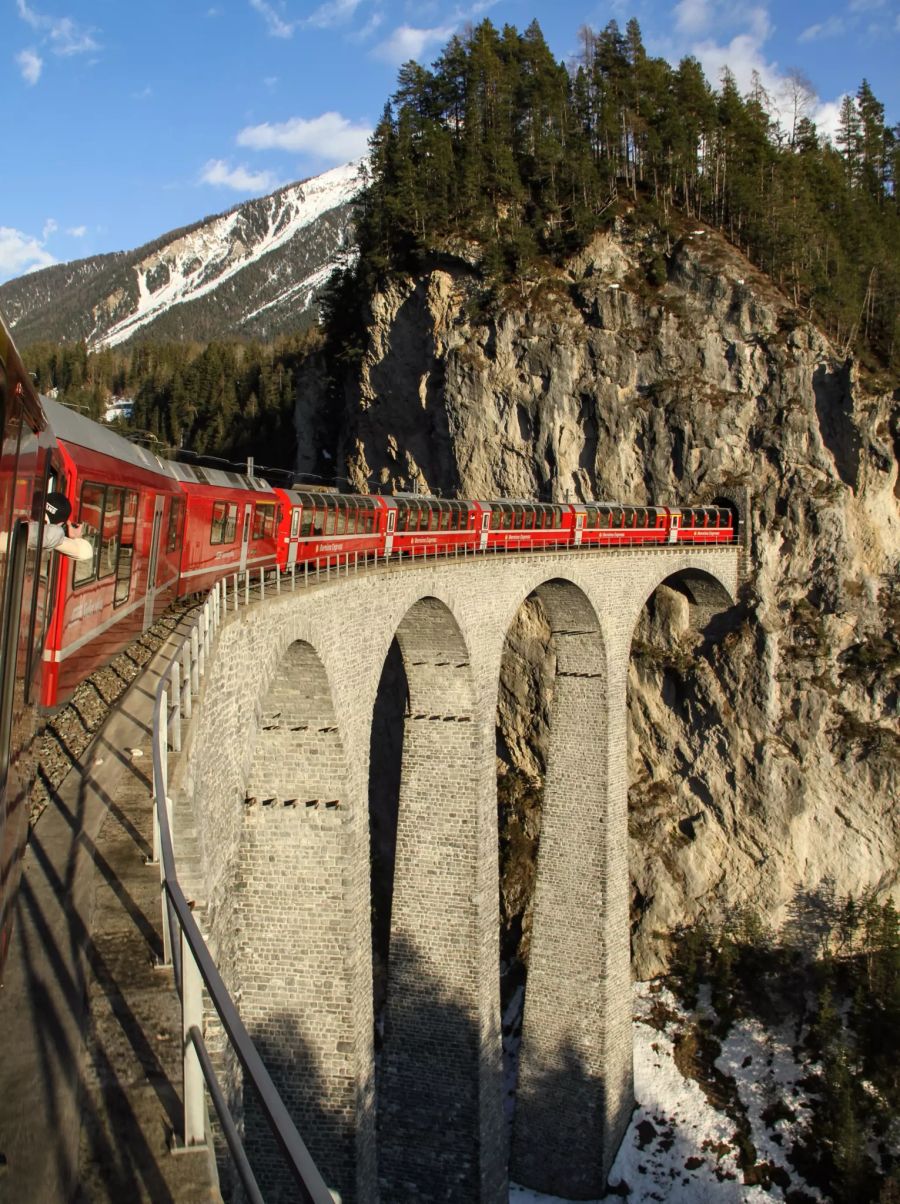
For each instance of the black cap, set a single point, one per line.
(57, 507)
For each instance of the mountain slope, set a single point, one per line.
(252, 271)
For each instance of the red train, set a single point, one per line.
(156, 529)
(159, 529)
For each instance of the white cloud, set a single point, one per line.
(21, 253)
(77, 231)
(30, 64)
(330, 136)
(51, 225)
(693, 16)
(407, 42)
(334, 12)
(218, 173)
(826, 114)
(374, 22)
(833, 27)
(65, 36)
(278, 28)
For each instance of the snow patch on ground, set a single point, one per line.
(679, 1148)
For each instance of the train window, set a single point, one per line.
(506, 521)
(175, 512)
(496, 518)
(217, 529)
(90, 514)
(330, 520)
(264, 520)
(230, 523)
(126, 548)
(109, 542)
(307, 516)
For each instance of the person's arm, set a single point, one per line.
(77, 549)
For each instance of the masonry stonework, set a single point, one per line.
(277, 781)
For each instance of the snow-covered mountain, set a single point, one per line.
(251, 272)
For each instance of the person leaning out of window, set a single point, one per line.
(61, 535)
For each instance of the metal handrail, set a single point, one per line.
(189, 956)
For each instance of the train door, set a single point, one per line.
(150, 596)
(674, 522)
(485, 527)
(389, 532)
(295, 532)
(579, 528)
(245, 535)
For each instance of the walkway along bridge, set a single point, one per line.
(270, 705)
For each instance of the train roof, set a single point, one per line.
(72, 427)
(199, 474)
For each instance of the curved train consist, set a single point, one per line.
(158, 529)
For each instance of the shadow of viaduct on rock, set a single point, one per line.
(276, 785)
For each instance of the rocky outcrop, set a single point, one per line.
(765, 751)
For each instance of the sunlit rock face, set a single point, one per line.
(764, 751)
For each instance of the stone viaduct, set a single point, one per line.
(272, 811)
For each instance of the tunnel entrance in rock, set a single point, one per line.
(672, 719)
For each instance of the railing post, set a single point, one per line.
(236, 599)
(246, 587)
(186, 700)
(277, 579)
(175, 674)
(262, 583)
(328, 569)
(293, 577)
(161, 793)
(195, 660)
(305, 573)
(192, 1017)
(201, 649)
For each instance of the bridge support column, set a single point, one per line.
(575, 1090)
(304, 952)
(441, 1135)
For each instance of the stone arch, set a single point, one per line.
(669, 796)
(703, 595)
(438, 1091)
(569, 1088)
(298, 902)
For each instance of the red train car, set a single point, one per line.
(131, 507)
(24, 595)
(705, 524)
(424, 526)
(611, 526)
(510, 526)
(231, 525)
(322, 528)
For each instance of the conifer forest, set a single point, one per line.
(504, 156)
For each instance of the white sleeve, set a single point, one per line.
(77, 549)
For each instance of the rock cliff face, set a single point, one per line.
(765, 752)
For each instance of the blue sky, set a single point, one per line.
(123, 121)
